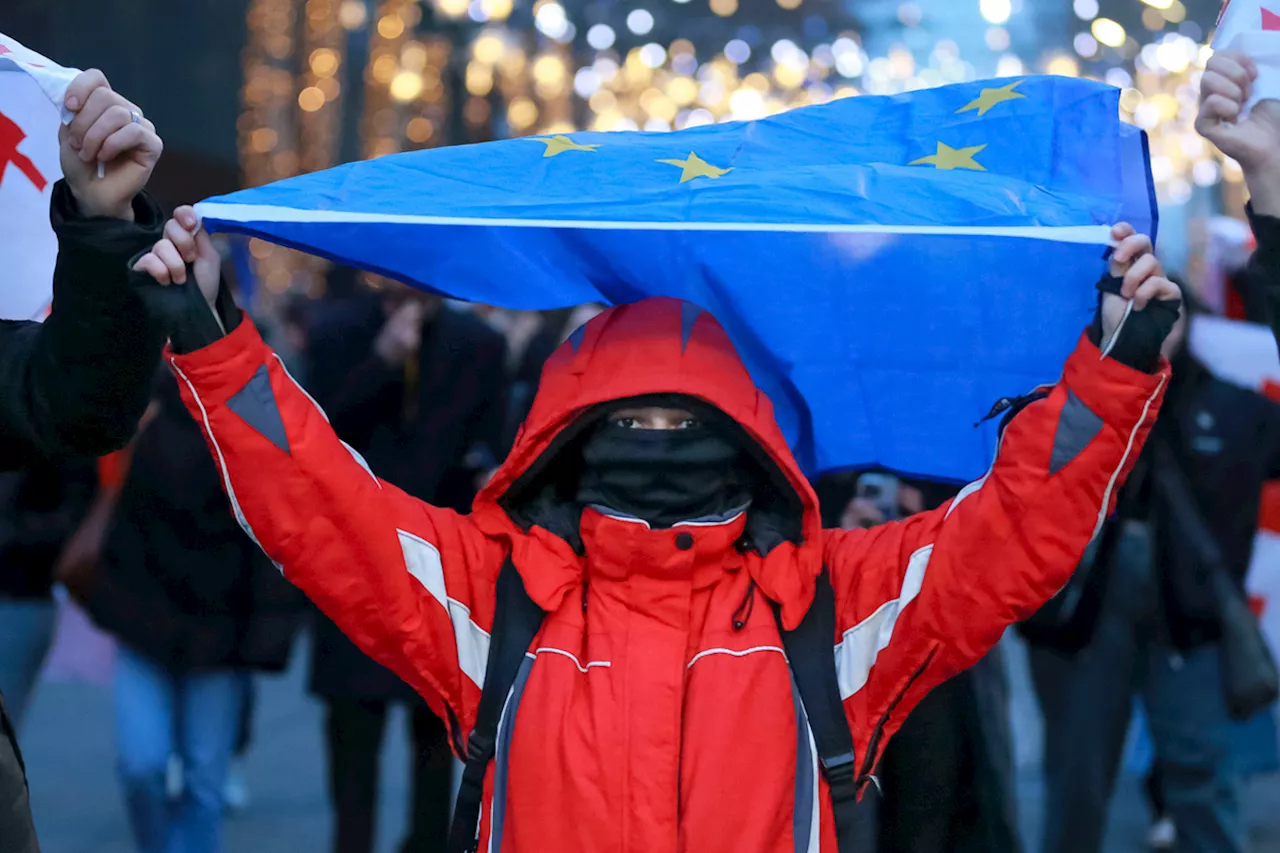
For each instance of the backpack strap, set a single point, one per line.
(813, 666)
(516, 621)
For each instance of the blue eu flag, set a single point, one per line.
(887, 266)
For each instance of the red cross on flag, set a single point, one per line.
(1253, 27)
(31, 95)
(1244, 354)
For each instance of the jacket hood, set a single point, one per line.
(659, 346)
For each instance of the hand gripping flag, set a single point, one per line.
(887, 266)
(1253, 27)
(31, 90)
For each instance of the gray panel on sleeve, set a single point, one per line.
(255, 403)
(1077, 427)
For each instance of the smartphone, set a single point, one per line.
(881, 490)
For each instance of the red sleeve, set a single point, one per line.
(920, 600)
(411, 584)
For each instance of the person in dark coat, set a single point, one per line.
(77, 384)
(946, 779)
(948, 776)
(1148, 619)
(553, 329)
(40, 508)
(194, 604)
(418, 390)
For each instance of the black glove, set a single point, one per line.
(1142, 333)
(185, 313)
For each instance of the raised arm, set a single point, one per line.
(923, 599)
(77, 384)
(411, 584)
(1253, 142)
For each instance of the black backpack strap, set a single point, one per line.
(811, 656)
(516, 621)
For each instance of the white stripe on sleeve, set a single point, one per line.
(423, 562)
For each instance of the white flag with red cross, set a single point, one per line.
(1253, 28)
(1244, 354)
(31, 94)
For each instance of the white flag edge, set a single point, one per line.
(52, 77)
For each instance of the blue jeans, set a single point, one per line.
(195, 716)
(26, 632)
(1087, 701)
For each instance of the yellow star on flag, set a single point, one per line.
(695, 167)
(560, 144)
(949, 158)
(990, 97)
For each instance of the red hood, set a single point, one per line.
(657, 346)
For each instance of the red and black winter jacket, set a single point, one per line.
(649, 721)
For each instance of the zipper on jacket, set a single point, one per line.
(1010, 406)
(873, 745)
(1000, 406)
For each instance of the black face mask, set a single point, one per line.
(663, 476)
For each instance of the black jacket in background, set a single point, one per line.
(78, 383)
(417, 437)
(528, 372)
(178, 580)
(40, 507)
(75, 385)
(947, 776)
(1226, 440)
(1263, 271)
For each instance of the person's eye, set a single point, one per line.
(626, 423)
(690, 423)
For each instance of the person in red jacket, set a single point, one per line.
(654, 511)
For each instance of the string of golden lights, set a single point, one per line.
(512, 81)
(267, 126)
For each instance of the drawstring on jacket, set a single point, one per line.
(743, 613)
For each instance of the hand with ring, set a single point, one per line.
(108, 150)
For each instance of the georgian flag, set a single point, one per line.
(31, 96)
(1253, 28)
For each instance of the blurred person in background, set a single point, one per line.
(1253, 142)
(528, 350)
(289, 330)
(1148, 613)
(235, 791)
(295, 329)
(194, 605)
(41, 506)
(417, 388)
(77, 384)
(289, 334)
(947, 777)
